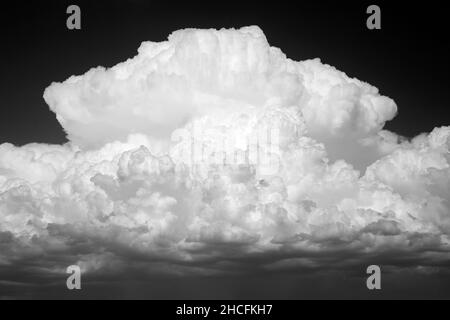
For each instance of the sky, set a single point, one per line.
(352, 180)
(407, 59)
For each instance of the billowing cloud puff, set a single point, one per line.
(212, 152)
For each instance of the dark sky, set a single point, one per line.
(407, 60)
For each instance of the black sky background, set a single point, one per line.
(408, 59)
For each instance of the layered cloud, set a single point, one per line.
(211, 153)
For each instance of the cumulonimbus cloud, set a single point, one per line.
(134, 182)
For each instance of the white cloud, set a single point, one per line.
(130, 183)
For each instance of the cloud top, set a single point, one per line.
(211, 72)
